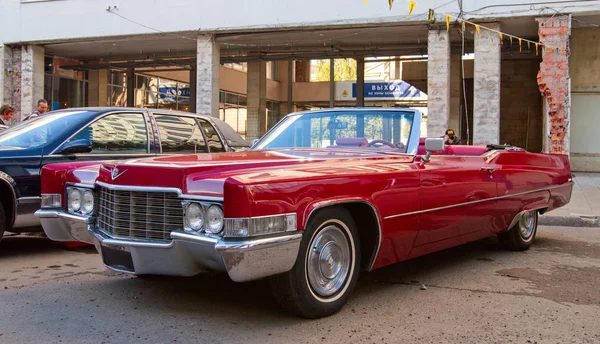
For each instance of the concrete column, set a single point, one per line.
(193, 87)
(486, 97)
(455, 94)
(98, 87)
(3, 72)
(438, 84)
(331, 82)
(130, 87)
(32, 78)
(290, 85)
(302, 71)
(207, 75)
(257, 100)
(360, 82)
(11, 84)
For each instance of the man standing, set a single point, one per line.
(42, 107)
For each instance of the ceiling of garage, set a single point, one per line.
(180, 49)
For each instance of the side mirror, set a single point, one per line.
(433, 144)
(254, 142)
(76, 146)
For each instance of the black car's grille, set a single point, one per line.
(139, 214)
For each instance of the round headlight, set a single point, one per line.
(74, 203)
(194, 216)
(87, 206)
(214, 219)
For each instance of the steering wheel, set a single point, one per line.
(381, 142)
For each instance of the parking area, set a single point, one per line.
(473, 293)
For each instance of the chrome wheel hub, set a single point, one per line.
(527, 224)
(328, 261)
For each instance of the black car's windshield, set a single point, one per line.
(380, 130)
(41, 130)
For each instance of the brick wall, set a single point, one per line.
(520, 99)
(553, 79)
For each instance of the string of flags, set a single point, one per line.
(501, 34)
(431, 18)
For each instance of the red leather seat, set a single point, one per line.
(453, 149)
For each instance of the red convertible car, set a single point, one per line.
(322, 196)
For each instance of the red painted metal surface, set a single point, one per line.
(422, 206)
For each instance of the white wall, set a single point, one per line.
(47, 20)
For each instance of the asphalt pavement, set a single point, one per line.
(476, 293)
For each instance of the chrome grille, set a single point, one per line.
(139, 214)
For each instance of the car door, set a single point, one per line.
(114, 136)
(458, 197)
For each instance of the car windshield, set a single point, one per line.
(372, 130)
(41, 130)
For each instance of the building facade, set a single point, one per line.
(523, 74)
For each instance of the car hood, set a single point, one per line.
(205, 173)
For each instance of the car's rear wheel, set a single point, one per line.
(521, 236)
(326, 268)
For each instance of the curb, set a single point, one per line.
(569, 221)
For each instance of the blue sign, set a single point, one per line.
(171, 92)
(392, 89)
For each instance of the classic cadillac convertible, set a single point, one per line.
(322, 196)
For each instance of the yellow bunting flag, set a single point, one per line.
(411, 7)
(501, 40)
(520, 47)
(478, 28)
(391, 2)
(431, 13)
(536, 48)
(366, 2)
(550, 47)
(448, 18)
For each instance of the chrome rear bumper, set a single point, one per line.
(185, 255)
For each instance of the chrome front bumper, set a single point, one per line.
(185, 255)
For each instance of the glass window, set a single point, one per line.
(122, 133)
(180, 135)
(214, 143)
(41, 130)
(344, 129)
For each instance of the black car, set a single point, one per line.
(84, 134)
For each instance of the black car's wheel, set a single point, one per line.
(326, 268)
(2, 221)
(520, 237)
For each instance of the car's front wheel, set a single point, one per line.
(326, 268)
(520, 237)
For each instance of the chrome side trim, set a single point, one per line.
(478, 201)
(159, 189)
(379, 234)
(81, 185)
(32, 198)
